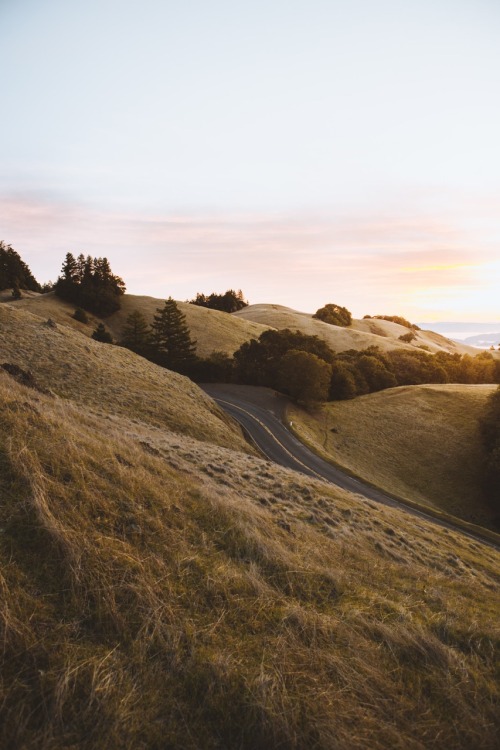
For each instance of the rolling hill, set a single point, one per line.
(218, 331)
(420, 443)
(211, 329)
(360, 335)
(162, 586)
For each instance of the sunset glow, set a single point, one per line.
(305, 154)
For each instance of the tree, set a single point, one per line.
(172, 346)
(335, 315)
(342, 382)
(90, 284)
(229, 302)
(257, 362)
(102, 334)
(136, 334)
(304, 376)
(14, 273)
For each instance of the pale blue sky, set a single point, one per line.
(208, 141)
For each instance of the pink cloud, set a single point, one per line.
(371, 263)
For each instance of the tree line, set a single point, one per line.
(14, 273)
(90, 284)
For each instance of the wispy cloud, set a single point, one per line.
(373, 264)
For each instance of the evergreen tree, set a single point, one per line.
(102, 334)
(229, 302)
(14, 273)
(172, 346)
(137, 334)
(90, 284)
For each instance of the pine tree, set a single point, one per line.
(137, 334)
(172, 344)
(14, 273)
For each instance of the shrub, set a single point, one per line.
(335, 315)
(80, 315)
(102, 334)
(407, 337)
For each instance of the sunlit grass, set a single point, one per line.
(417, 442)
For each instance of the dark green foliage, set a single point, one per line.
(102, 334)
(490, 433)
(90, 284)
(375, 373)
(216, 368)
(335, 315)
(14, 273)
(304, 376)
(229, 302)
(394, 319)
(80, 315)
(16, 292)
(257, 361)
(343, 382)
(172, 346)
(137, 334)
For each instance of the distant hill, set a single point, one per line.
(465, 332)
(360, 335)
(483, 340)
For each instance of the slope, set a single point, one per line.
(211, 329)
(360, 335)
(417, 442)
(161, 592)
(109, 379)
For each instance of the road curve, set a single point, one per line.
(261, 413)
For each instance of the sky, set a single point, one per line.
(306, 152)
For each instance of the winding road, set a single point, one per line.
(261, 414)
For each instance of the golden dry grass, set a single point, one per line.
(360, 335)
(110, 379)
(417, 442)
(158, 592)
(211, 329)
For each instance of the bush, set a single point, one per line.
(407, 337)
(335, 315)
(102, 334)
(80, 315)
(304, 376)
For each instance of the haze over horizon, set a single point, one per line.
(305, 152)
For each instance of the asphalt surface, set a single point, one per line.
(260, 412)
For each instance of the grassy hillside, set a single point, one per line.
(211, 329)
(360, 335)
(109, 379)
(418, 442)
(159, 592)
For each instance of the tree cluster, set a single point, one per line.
(167, 341)
(90, 284)
(490, 433)
(14, 273)
(229, 302)
(335, 315)
(265, 361)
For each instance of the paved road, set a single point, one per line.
(261, 414)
